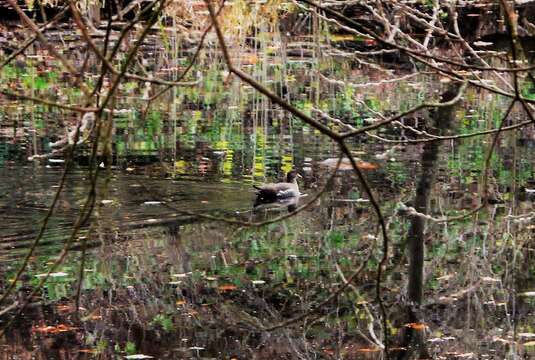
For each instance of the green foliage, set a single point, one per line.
(335, 239)
(163, 321)
(130, 348)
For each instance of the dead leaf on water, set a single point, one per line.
(227, 287)
(416, 326)
(364, 165)
(368, 349)
(342, 37)
(53, 329)
(249, 59)
(87, 351)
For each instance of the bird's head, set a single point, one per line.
(292, 176)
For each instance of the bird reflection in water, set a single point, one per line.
(291, 203)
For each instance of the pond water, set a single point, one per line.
(171, 269)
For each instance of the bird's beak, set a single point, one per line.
(299, 176)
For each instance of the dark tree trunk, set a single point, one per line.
(443, 118)
(412, 336)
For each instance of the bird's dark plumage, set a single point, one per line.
(278, 191)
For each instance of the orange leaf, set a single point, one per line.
(227, 287)
(416, 326)
(87, 351)
(364, 165)
(53, 329)
(368, 349)
(249, 59)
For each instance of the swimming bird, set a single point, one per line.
(269, 193)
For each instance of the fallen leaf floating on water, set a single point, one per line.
(416, 326)
(342, 37)
(249, 59)
(87, 351)
(364, 165)
(227, 287)
(139, 356)
(368, 349)
(53, 329)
